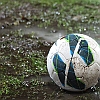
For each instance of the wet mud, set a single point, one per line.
(24, 47)
(39, 87)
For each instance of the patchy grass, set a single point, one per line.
(70, 15)
(22, 55)
(19, 59)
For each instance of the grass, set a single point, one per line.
(55, 13)
(61, 1)
(17, 64)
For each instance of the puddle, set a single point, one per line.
(51, 35)
(50, 91)
(47, 34)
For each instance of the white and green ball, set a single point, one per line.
(73, 62)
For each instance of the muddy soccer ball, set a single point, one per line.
(73, 62)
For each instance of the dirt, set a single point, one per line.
(29, 38)
(46, 88)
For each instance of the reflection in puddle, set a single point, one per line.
(50, 35)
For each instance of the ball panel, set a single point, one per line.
(96, 54)
(64, 49)
(72, 80)
(85, 52)
(73, 40)
(60, 67)
(78, 66)
(53, 50)
(91, 74)
(56, 79)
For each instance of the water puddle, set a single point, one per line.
(49, 34)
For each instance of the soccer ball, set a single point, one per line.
(73, 62)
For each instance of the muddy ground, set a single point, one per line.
(35, 86)
(25, 43)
